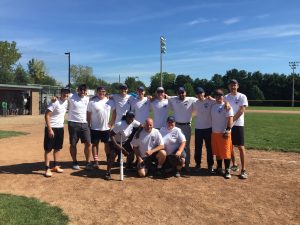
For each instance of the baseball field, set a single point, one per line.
(270, 195)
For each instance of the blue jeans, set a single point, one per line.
(200, 135)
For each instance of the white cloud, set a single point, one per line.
(197, 21)
(232, 20)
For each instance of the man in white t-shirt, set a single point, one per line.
(121, 135)
(141, 105)
(174, 141)
(54, 131)
(238, 102)
(202, 109)
(78, 126)
(149, 147)
(98, 115)
(159, 107)
(122, 103)
(182, 107)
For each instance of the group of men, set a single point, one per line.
(122, 123)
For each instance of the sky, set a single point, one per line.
(121, 37)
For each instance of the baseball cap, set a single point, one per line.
(233, 81)
(159, 89)
(171, 119)
(82, 87)
(218, 92)
(65, 90)
(130, 114)
(101, 88)
(199, 90)
(141, 88)
(123, 86)
(181, 90)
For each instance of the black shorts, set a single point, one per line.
(149, 160)
(172, 160)
(125, 145)
(56, 142)
(79, 130)
(237, 135)
(99, 135)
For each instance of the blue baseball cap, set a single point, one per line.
(199, 90)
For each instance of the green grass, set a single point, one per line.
(6, 134)
(274, 108)
(272, 131)
(16, 210)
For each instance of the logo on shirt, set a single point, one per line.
(220, 109)
(206, 105)
(237, 101)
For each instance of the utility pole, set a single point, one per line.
(163, 49)
(293, 66)
(69, 56)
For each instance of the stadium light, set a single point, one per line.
(293, 66)
(163, 49)
(69, 56)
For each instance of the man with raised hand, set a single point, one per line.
(238, 102)
(78, 126)
(141, 105)
(159, 107)
(182, 107)
(54, 131)
(148, 147)
(98, 115)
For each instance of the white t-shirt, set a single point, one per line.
(122, 105)
(219, 117)
(236, 101)
(100, 113)
(203, 113)
(78, 108)
(124, 129)
(172, 139)
(141, 108)
(147, 141)
(160, 112)
(58, 110)
(182, 109)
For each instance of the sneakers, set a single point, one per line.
(227, 174)
(219, 171)
(89, 166)
(244, 174)
(48, 173)
(187, 168)
(234, 168)
(177, 174)
(211, 170)
(107, 176)
(75, 167)
(197, 169)
(57, 169)
(96, 166)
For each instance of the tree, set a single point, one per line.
(21, 76)
(83, 75)
(181, 80)
(36, 69)
(133, 84)
(168, 82)
(9, 55)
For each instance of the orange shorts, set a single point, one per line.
(221, 147)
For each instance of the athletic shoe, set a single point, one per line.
(219, 171)
(227, 174)
(234, 168)
(197, 169)
(89, 166)
(107, 176)
(76, 167)
(48, 173)
(187, 168)
(244, 174)
(96, 166)
(57, 169)
(211, 170)
(177, 174)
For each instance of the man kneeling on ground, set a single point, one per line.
(148, 146)
(174, 141)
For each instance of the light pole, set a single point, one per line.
(69, 56)
(293, 66)
(163, 49)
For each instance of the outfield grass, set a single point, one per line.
(15, 210)
(6, 134)
(273, 108)
(272, 131)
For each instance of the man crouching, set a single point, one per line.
(148, 146)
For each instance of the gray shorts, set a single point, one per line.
(79, 130)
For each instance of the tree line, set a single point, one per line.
(256, 85)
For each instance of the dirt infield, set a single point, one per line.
(269, 196)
